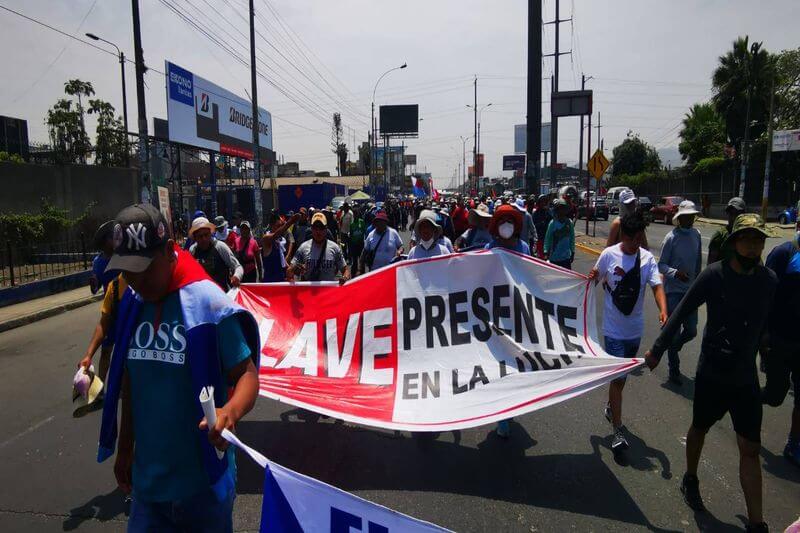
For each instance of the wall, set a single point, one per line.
(70, 187)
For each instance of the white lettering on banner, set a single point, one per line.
(303, 353)
(376, 347)
(264, 329)
(339, 363)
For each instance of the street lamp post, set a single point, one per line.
(121, 57)
(464, 162)
(478, 134)
(372, 141)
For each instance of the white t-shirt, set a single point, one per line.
(347, 219)
(611, 266)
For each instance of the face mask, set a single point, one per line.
(747, 263)
(427, 244)
(506, 230)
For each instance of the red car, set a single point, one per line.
(666, 208)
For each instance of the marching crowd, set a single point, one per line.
(749, 304)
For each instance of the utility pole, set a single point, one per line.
(256, 147)
(580, 159)
(765, 193)
(598, 130)
(475, 140)
(557, 53)
(743, 175)
(533, 125)
(588, 176)
(144, 156)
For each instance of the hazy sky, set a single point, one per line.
(650, 60)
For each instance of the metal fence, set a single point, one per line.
(20, 264)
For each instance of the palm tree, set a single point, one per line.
(741, 84)
(79, 88)
(702, 135)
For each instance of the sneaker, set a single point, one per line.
(792, 452)
(619, 442)
(757, 528)
(675, 378)
(607, 412)
(503, 429)
(690, 487)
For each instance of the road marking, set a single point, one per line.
(27, 431)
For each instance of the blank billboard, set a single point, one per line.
(399, 120)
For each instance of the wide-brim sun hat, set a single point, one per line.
(686, 207)
(482, 211)
(201, 223)
(426, 215)
(502, 212)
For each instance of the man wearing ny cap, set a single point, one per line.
(177, 333)
(738, 292)
(717, 248)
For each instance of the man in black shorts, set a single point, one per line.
(738, 293)
(783, 353)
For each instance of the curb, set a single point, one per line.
(587, 249)
(46, 313)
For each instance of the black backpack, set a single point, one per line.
(626, 293)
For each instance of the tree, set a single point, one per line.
(702, 135)
(70, 143)
(79, 88)
(110, 144)
(364, 157)
(634, 156)
(787, 89)
(338, 147)
(742, 83)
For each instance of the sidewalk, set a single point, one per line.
(16, 315)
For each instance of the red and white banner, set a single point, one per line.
(432, 345)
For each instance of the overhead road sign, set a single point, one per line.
(204, 115)
(570, 103)
(598, 165)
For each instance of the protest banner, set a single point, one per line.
(436, 344)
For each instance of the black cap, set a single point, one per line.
(139, 232)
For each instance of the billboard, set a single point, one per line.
(479, 160)
(399, 120)
(410, 159)
(786, 140)
(514, 162)
(521, 138)
(570, 103)
(205, 115)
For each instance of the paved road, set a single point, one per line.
(556, 473)
(657, 230)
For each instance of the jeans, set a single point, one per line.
(688, 332)
(201, 512)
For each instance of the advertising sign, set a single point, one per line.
(163, 206)
(205, 115)
(514, 162)
(786, 140)
(521, 138)
(438, 344)
(399, 120)
(410, 159)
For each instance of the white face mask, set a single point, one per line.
(506, 230)
(427, 244)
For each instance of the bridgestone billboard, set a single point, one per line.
(205, 115)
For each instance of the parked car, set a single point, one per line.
(645, 205)
(597, 208)
(666, 208)
(612, 198)
(788, 215)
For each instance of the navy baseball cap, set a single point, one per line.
(139, 232)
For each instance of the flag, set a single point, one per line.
(419, 188)
(294, 503)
